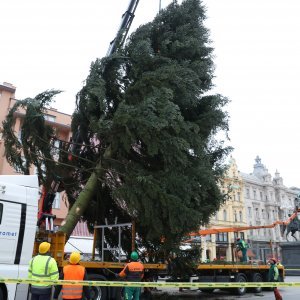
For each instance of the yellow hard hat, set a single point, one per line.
(44, 247)
(74, 258)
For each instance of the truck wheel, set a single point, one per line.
(256, 277)
(97, 292)
(242, 279)
(1, 295)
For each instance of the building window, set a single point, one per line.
(20, 135)
(222, 237)
(254, 194)
(256, 213)
(224, 215)
(56, 202)
(208, 238)
(234, 199)
(247, 193)
(239, 196)
(55, 150)
(263, 213)
(249, 212)
(261, 196)
(17, 169)
(242, 235)
(241, 216)
(50, 118)
(235, 216)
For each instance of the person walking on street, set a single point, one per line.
(73, 271)
(42, 267)
(133, 271)
(274, 277)
(242, 246)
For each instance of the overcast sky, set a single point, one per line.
(50, 44)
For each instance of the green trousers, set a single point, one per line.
(132, 293)
(244, 255)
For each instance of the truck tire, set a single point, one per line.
(98, 292)
(1, 294)
(240, 278)
(256, 277)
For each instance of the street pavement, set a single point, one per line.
(290, 293)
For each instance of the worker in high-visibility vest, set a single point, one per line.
(242, 246)
(42, 266)
(73, 271)
(133, 271)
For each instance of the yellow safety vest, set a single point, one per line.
(43, 267)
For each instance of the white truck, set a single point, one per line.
(18, 218)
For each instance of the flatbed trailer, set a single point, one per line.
(204, 272)
(236, 272)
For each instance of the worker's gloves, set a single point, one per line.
(117, 276)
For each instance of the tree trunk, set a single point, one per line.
(80, 205)
(83, 199)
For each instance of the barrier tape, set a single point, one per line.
(154, 284)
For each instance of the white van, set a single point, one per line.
(19, 196)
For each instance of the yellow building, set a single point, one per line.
(231, 214)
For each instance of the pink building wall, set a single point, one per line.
(60, 121)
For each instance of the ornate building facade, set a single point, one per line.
(267, 200)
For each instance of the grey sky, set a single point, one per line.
(50, 44)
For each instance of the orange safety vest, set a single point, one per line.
(73, 272)
(133, 271)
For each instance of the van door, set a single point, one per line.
(12, 222)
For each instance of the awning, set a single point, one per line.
(80, 244)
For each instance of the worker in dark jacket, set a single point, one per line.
(274, 277)
(73, 271)
(133, 271)
(42, 266)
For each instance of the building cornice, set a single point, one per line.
(7, 88)
(54, 124)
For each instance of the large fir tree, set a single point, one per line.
(145, 125)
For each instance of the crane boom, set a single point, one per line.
(204, 232)
(127, 18)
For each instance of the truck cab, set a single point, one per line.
(19, 196)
